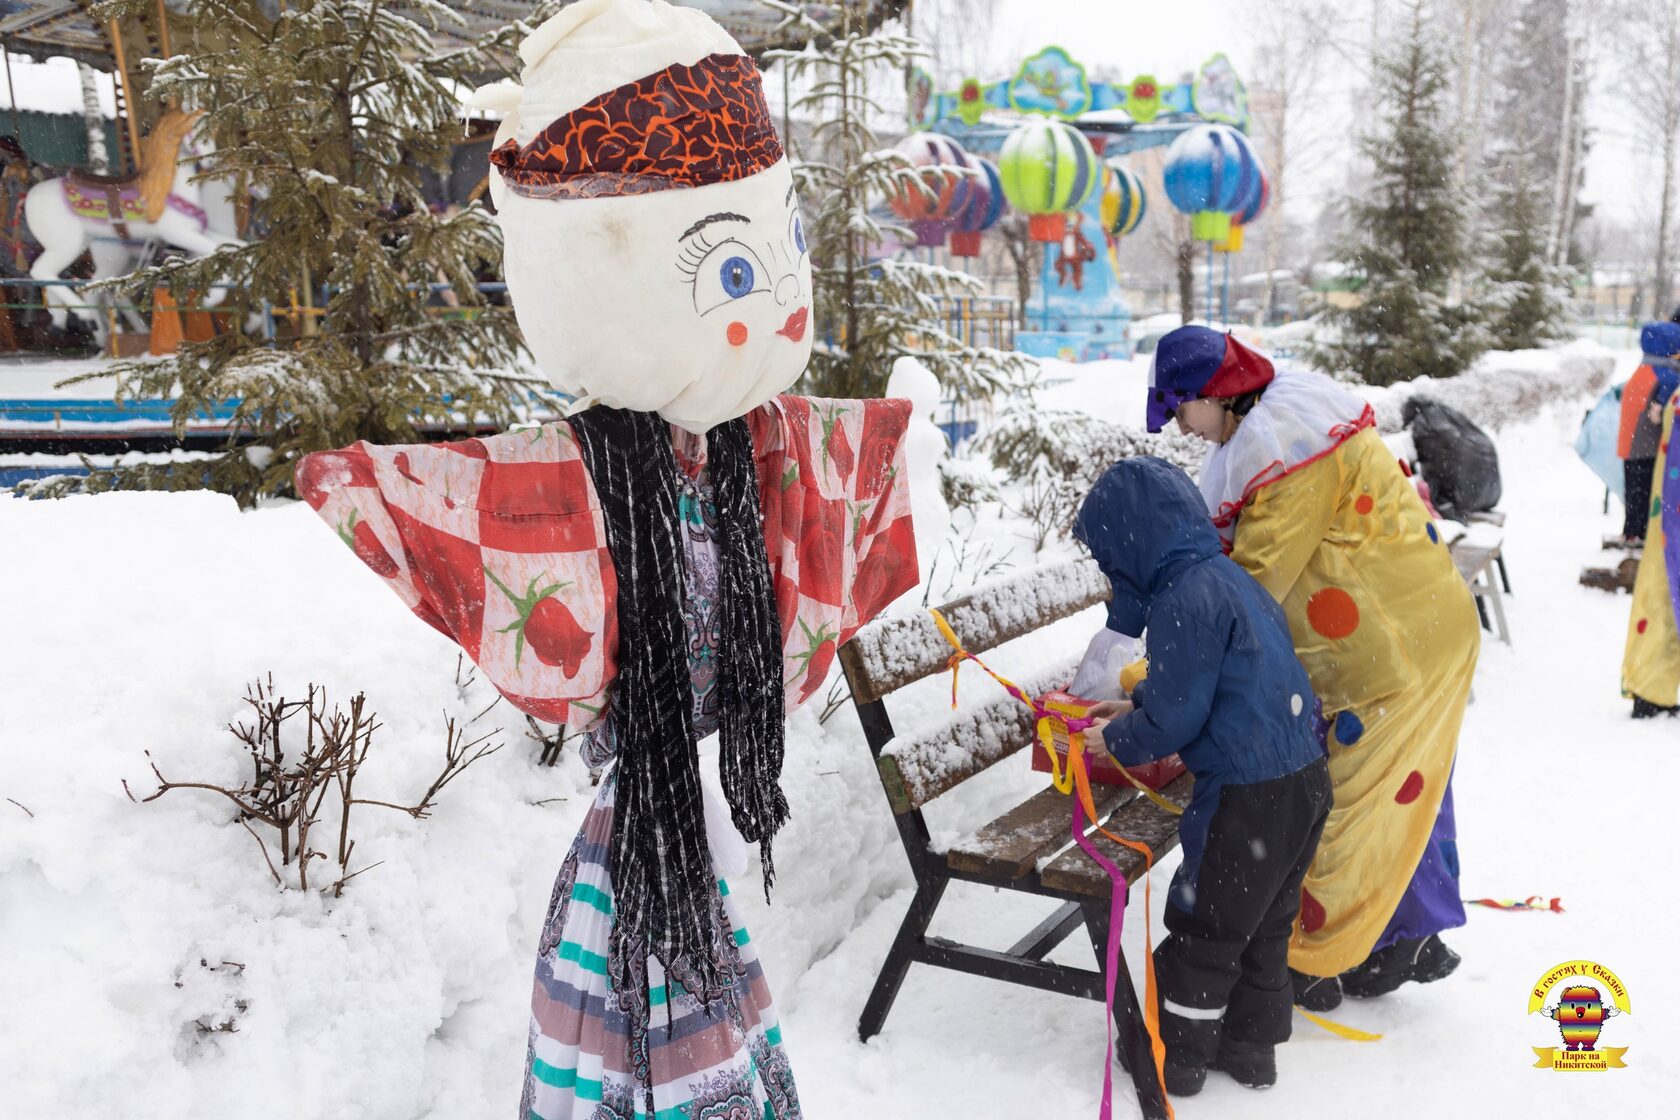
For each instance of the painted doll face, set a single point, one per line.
(693, 303)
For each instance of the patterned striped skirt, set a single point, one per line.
(589, 1060)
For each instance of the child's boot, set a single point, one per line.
(1183, 1080)
(1250, 1064)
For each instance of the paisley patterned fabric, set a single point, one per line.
(685, 126)
(587, 1056)
(588, 1059)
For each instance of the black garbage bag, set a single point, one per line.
(1458, 459)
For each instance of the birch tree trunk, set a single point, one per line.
(1559, 192)
(99, 160)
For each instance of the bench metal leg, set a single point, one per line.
(1481, 607)
(1133, 1044)
(899, 958)
(1049, 933)
(1498, 608)
(1504, 576)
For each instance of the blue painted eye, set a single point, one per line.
(798, 234)
(737, 277)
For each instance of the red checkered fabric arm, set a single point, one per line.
(495, 542)
(836, 523)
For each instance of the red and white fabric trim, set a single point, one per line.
(1300, 418)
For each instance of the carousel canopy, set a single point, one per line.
(43, 28)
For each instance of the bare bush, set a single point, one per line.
(287, 793)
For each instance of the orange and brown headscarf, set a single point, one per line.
(685, 126)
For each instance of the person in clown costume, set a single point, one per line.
(1310, 501)
(1651, 659)
(680, 556)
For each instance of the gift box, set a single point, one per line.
(1100, 766)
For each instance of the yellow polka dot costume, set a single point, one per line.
(1651, 663)
(1388, 633)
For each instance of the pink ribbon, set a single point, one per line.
(1111, 955)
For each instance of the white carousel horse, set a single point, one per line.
(114, 217)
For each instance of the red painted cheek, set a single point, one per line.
(737, 334)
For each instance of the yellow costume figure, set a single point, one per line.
(1388, 633)
(1651, 665)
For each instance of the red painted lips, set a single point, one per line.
(794, 328)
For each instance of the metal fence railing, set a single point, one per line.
(26, 293)
(985, 321)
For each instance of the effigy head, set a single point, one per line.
(653, 248)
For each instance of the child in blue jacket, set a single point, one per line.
(1226, 693)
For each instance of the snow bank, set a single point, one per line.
(135, 622)
(1505, 387)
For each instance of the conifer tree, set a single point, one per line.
(1525, 292)
(870, 310)
(324, 115)
(1408, 240)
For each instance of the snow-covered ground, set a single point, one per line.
(134, 622)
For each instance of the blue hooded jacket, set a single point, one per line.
(1661, 344)
(1225, 689)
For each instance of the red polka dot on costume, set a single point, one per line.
(1364, 505)
(1644, 622)
(1333, 613)
(1312, 912)
(1410, 788)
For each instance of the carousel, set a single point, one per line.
(98, 179)
(1062, 149)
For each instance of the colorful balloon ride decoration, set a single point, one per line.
(1048, 169)
(979, 213)
(1123, 203)
(1212, 174)
(1233, 242)
(930, 211)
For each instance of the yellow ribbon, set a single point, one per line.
(1047, 717)
(1337, 1029)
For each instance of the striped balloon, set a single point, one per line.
(1048, 168)
(1256, 203)
(1211, 173)
(980, 212)
(929, 212)
(1123, 202)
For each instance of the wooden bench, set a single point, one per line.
(1027, 849)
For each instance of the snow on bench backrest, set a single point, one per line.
(918, 769)
(892, 652)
